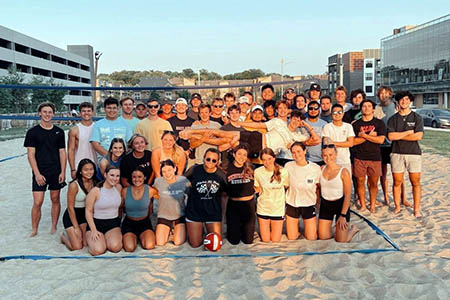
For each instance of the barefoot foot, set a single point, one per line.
(418, 214)
(396, 209)
(53, 231)
(372, 209)
(33, 233)
(407, 204)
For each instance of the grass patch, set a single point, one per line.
(436, 142)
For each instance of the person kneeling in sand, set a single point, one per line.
(102, 214)
(335, 189)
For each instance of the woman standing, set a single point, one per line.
(303, 193)
(137, 225)
(170, 190)
(102, 214)
(241, 204)
(270, 182)
(204, 204)
(112, 158)
(138, 157)
(335, 187)
(74, 218)
(168, 150)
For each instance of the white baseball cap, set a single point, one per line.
(181, 100)
(243, 99)
(257, 107)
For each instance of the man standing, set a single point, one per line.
(341, 135)
(314, 152)
(289, 95)
(314, 92)
(78, 145)
(267, 92)
(181, 122)
(217, 110)
(325, 108)
(371, 132)
(166, 110)
(234, 113)
(153, 126)
(269, 109)
(127, 105)
(141, 111)
(356, 96)
(341, 96)
(405, 130)
(46, 152)
(105, 130)
(229, 100)
(205, 142)
(196, 100)
(249, 95)
(244, 107)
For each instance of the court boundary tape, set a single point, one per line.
(394, 248)
(12, 157)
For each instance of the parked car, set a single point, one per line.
(435, 117)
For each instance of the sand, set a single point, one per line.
(420, 271)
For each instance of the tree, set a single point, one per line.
(188, 73)
(54, 96)
(14, 100)
(184, 94)
(155, 95)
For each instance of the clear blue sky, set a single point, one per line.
(225, 37)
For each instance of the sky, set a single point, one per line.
(224, 37)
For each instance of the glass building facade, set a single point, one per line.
(418, 59)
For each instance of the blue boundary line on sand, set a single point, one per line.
(212, 255)
(12, 157)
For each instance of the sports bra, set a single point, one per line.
(80, 197)
(137, 208)
(332, 189)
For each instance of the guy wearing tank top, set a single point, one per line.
(78, 144)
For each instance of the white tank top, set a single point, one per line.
(85, 149)
(332, 189)
(107, 205)
(80, 197)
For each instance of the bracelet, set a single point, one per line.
(71, 170)
(343, 215)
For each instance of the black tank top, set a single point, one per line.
(239, 185)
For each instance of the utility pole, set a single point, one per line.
(97, 55)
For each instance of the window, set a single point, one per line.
(369, 76)
(137, 96)
(369, 65)
(431, 98)
(369, 89)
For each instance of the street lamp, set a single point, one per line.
(97, 55)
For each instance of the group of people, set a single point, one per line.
(232, 161)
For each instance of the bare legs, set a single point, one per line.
(270, 230)
(372, 182)
(74, 241)
(195, 232)
(341, 236)
(292, 228)
(414, 178)
(111, 240)
(38, 200)
(163, 232)
(147, 239)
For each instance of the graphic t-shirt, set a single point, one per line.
(129, 163)
(272, 199)
(399, 123)
(303, 182)
(239, 184)
(171, 202)
(106, 130)
(47, 143)
(339, 134)
(200, 150)
(368, 150)
(179, 125)
(204, 202)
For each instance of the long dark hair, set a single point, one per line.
(276, 172)
(117, 140)
(79, 177)
(247, 171)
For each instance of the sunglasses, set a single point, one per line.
(153, 106)
(340, 112)
(313, 108)
(213, 160)
(289, 92)
(168, 131)
(325, 146)
(218, 106)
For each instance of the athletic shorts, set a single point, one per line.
(51, 181)
(171, 223)
(363, 168)
(386, 155)
(105, 225)
(206, 222)
(409, 162)
(253, 140)
(306, 212)
(273, 218)
(80, 215)
(136, 227)
(330, 209)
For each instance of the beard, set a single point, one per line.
(313, 117)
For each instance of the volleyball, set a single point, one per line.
(213, 241)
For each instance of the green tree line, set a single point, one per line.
(27, 100)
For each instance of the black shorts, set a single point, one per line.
(253, 140)
(105, 225)
(330, 209)
(320, 163)
(386, 155)
(51, 181)
(79, 213)
(136, 227)
(273, 218)
(171, 223)
(307, 212)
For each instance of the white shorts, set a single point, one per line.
(409, 162)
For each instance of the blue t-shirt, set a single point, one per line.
(132, 123)
(105, 131)
(314, 153)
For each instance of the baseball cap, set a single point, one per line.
(257, 107)
(243, 99)
(181, 100)
(165, 101)
(140, 103)
(314, 87)
(196, 95)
